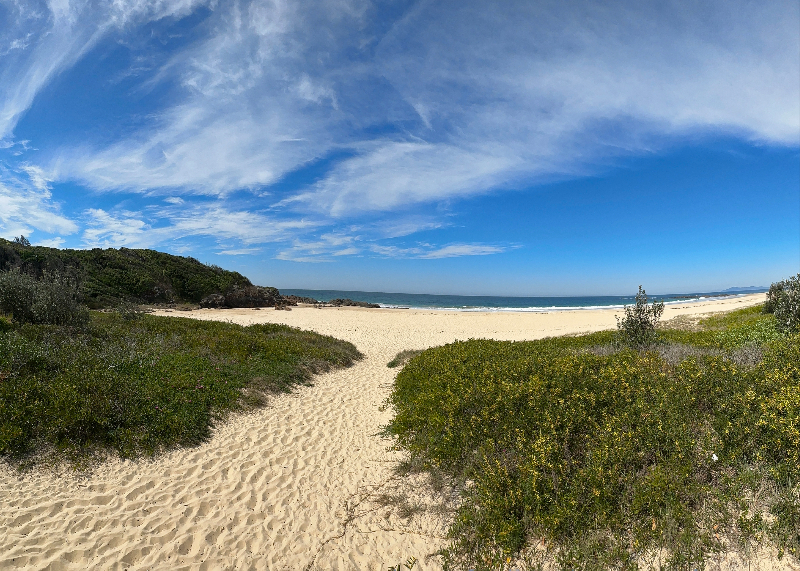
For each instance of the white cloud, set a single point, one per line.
(247, 227)
(113, 231)
(56, 242)
(322, 249)
(396, 174)
(42, 39)
(240, 252)
(39, 179)
(520, 91)
(26, 204)
(155, 226)
(458, 250)
(488, 95)
(430, 252)
(329, 246)
(258, 105)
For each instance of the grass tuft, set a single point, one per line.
(403, 357)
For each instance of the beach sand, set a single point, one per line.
(291, 486)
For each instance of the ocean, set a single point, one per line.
(498, 303)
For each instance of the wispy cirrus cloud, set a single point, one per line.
(40, 39)
(450, 101)
(107, 230)
(458, 250)
(26, 204)
(329, 246)
(159, 225)
(430, 252)
(239, 252)
(259, 103)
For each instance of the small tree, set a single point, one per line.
(783, 299)
(638, 328)
(22, 241)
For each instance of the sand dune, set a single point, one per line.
(288, 487)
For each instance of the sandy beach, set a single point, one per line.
(290, 486)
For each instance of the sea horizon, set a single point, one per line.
(508, 303)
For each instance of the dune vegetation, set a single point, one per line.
(661, 446)
(79, 384)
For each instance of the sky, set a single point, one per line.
(486, 148)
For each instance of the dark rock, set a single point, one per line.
(252, 296)
(295, 299)
(350, 303)
(213, 301)
(247, 296)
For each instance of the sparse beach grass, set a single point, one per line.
(587, 455)
(136, 384)
(402, 358)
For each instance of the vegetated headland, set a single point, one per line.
(653, 445)
(108, 277)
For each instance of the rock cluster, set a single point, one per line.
(295, 299)
(257, 296)
(248, 296)
(351, 303)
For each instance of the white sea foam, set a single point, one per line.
(555, 308)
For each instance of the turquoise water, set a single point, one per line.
(494, 303)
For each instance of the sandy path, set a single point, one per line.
(270, 490)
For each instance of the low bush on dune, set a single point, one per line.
(637, 328)
(580, 453)
(136, 384)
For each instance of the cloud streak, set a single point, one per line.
(41, 39)
(26, 204)
(159, 225)
(454, 101)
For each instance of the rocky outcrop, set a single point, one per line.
(213, 301)
(247, 296)
(351, 303)
(295, 299)
(252, 296)
(257, 296)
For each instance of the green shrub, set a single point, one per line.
(52, 300)
(129, 311)
(138, 386)
(605, 459)
(638, 328)
(783, 300)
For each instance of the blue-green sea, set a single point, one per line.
(501, 303)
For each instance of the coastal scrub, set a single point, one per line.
(137, 384)
(579, 453)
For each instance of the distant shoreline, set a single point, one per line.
(504, 303)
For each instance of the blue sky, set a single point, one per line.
(509, 148)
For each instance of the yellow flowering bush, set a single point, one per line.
(601, 460)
